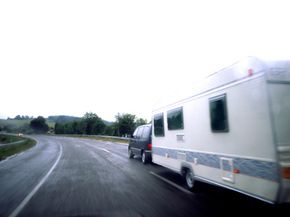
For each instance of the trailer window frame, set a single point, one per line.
(219, 121)
(158, 122)
(178, 123)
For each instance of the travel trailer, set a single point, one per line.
(232, 131)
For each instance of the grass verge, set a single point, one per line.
(4, 139)
(8, 150)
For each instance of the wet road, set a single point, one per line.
(81, 177)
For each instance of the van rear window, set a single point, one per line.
(158, 125)
(146, 132)
(218, 114)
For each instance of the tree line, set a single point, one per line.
(89, 124)
(92, 124)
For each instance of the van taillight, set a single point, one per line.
(149, 146)
(286, 172)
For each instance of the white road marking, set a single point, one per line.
(36, 188)
(105, 150)
(171, 183)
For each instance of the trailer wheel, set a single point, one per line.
(130, 153)
(189, 179)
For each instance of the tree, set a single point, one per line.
(125, 124)
(18, 117)
(58, 128)
(39, 125)
(140, 121)
(94, 124)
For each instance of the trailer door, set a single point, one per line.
(280, 109)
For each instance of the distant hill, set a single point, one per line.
(14, 126)
(22, 125)
(62, 118)
(108, 123)
(66, 119)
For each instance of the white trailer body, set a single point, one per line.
(232, 131)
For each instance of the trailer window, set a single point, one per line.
(175, 119)
(218, 114)
(159, 125)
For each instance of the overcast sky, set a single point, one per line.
(71, 57)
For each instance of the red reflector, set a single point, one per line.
(250, 72)
(236, 171)
(149, 146)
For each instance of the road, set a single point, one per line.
(82, 177)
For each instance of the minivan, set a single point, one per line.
(140, 144)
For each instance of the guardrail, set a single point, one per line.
(113, 137)
(2, 145)
(13, 143)
(117, 138)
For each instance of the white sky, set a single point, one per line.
(71, 57)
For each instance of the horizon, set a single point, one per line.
(69, 57)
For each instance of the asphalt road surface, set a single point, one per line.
(81, 177)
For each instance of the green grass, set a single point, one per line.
(4, 139)
(6, 151)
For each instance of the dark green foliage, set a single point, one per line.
(62, 118)
(22, 117)
(125, 124)
(59, 128)
(38, 125)
(140, 121)
(92, 124)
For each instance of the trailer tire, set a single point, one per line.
(189, 179)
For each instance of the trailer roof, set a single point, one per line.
(245, 68)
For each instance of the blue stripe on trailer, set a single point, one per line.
(255, 168)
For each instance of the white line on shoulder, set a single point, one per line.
(171, 183)
(35, 189)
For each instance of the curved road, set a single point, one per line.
(81, 177)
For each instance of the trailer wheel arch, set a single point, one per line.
(188, 175)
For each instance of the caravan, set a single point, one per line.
(232, 131)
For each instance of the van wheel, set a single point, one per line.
(144, 159)
(189, 180)
(130, 153)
